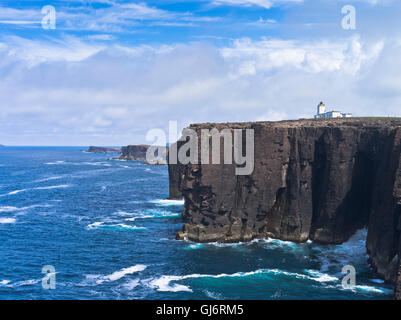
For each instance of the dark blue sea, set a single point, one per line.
(106, 228)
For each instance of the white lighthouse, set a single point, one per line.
(321, 108)
(323, 113)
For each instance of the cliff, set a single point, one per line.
(103, 150)
(134, 152)
(176, 174)
(138, 153)
(313, 179)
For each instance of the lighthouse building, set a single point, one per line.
(323, 113)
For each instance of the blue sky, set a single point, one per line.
(112, 70)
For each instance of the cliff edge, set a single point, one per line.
(313, 179)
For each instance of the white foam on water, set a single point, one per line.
(351, 252)
(321, 277)
(269, 242)
(8, 209)
(94, 225)
(149, 214)
(37, 188)
(13, 209)
(62, 186)
(4, 282)
(100, 224)
(132, 284)
(228, 244)
(282, 243)
(124, 213)
(7, 220)
(365, 288)
(130, 219)
(213, 295)
(120, 274)
(167, 202)
(27, 282)
(194, 246)
(55, 163)
(370, 289)
(49, 179)
(16, 191)
(125, 226)
(164, 282)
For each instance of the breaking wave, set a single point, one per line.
(37, 188)
(117, 226)
(117, 275)
(164, 282)
(148, 214)
(7, 220)
(167, 202)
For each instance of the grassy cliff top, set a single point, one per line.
(349, 122)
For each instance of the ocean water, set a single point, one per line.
(108, 232)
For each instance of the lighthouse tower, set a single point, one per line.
(321, 108)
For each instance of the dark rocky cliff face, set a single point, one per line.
(176, 174)
(313, 179)
(134, 152)
(138, 153)
(103, 150)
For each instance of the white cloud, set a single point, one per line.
(35, 52)
(345, 55)
(72, 92)
(267, 4)
(115, 17)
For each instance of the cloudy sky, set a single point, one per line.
(112, 70)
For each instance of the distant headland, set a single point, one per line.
(138, 153)
(93, 149)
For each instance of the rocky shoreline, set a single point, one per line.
(318, 180)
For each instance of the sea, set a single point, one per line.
(106, 231)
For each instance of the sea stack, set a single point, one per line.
(318, 180)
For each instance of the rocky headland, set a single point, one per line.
(318, 180)
(138, 153)
(94, 149)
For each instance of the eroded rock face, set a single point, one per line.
(313, 179)
(103, 150)
(134, 152)
(175, 173)
(397, 295)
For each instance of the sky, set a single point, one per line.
(111, 70)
